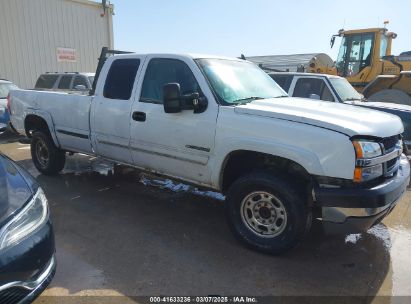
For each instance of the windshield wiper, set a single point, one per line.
(281, 96)
(353, 99)
(251, 98)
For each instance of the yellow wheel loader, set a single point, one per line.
(364, 59)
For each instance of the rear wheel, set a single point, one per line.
(47, 158)
(267, 213)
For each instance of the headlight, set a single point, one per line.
(367, 149)
(367, 173)
(27, 221)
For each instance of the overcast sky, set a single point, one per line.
(252, 27)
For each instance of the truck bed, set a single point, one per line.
(66, 114)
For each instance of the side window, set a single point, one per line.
(65, 82)
(161, 71)
(306, 86)
(120, 79)
(80, 80)
(46, 81)
(326, 94)
(284, 81)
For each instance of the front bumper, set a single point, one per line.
(28, 267)
(356, 209)
(26, 291)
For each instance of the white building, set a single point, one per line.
(38, 36)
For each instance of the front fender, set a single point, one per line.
(307, 159)
(319, 151)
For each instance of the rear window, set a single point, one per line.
(46, 81)
(120, 79)
(65, 82)
(283, 81)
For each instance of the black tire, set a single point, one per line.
(50, 160)
(298, 216)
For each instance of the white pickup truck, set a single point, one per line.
(224, 124)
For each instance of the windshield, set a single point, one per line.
(383, 45)
(239, 81)
(5, 89)
(344, 89)
(355, 54)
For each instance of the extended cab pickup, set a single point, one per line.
(224, 124)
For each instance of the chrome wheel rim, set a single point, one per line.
(264, 214)
(42, 153)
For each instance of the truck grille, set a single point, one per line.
(390, 142)
(391, 166)
(13, 295)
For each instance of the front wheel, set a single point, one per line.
(47, 158)
(267, 213)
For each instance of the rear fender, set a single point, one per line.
(48, 119)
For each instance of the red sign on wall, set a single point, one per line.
(66, 55)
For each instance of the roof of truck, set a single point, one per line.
(187, 55)
(304, 74)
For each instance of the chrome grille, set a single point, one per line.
(390, 142)
(13, 295)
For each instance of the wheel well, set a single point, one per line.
(239, 163)
(34, 122)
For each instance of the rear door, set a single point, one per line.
(178, 144)
(111, 107)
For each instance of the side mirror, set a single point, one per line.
(332, 41)
(80, 87)
(314, 96)
(171, 98)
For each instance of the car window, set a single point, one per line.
(80, 80)
(120, 79)
(282, 80)
(161, 71)
(326, 94)
(306, 86)
(46, 81)
(65, 81)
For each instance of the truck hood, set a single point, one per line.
(383, 105)
(342, 118)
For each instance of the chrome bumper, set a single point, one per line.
(37, 285)
(356, 210)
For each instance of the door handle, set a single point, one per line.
(139, 116)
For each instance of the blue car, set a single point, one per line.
(5, 87)
(27, 250)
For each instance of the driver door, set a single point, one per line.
(178, 144)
